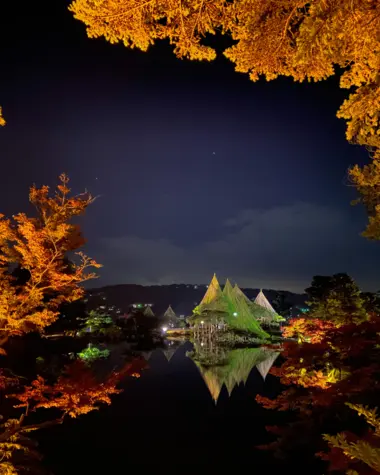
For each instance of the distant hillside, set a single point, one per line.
(183, 298)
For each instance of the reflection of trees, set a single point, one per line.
(219, 366)
(77, 391)
(30, 300)
(333, 365)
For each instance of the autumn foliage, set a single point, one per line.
(76, 392)
(39, 246)
(331, 362)
(40, 270)
(2, 120)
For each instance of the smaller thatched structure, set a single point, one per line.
(148, 312)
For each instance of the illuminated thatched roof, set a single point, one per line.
(231, 306)
(240, 294)
(213, 292)
(263, 302)
(148, 312)
(170, 314)
(228, 290)
(213, 300)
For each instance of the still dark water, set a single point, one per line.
(167, 422)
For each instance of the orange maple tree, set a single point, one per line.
(40, 246)
(76, 392)
(331, 364)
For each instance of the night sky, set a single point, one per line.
(198, 170)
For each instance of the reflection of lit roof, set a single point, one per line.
(264, 367)
(235, 369)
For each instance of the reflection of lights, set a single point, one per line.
(164, 329)
(235, 314)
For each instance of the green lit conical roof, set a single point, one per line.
(228, 290)
(240, 294)
(231, 305)
(262, 313)
(234, 371)
(213, 292)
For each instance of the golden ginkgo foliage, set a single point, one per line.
(2, 120)
(39, 246)
(307, 40)
(138, 23)
(366, 449)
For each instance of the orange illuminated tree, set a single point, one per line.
(334, 361)
(2, 120)
(40, 246)
(76, 392)
(306, 40)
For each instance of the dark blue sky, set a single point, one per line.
(198, 169)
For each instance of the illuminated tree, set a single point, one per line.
(337, 299)
(39, 246)
(97, 322)
(367, 182)
(2, 120)
(365, 450)
(334, 361)
(76, 392)
(307, 40)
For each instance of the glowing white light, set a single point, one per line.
(164, 329)
(202, 322)
(235, 314)
(202, 344)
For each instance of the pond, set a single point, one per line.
(191, 411)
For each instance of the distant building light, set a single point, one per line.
(102, 307)
(164, 329)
